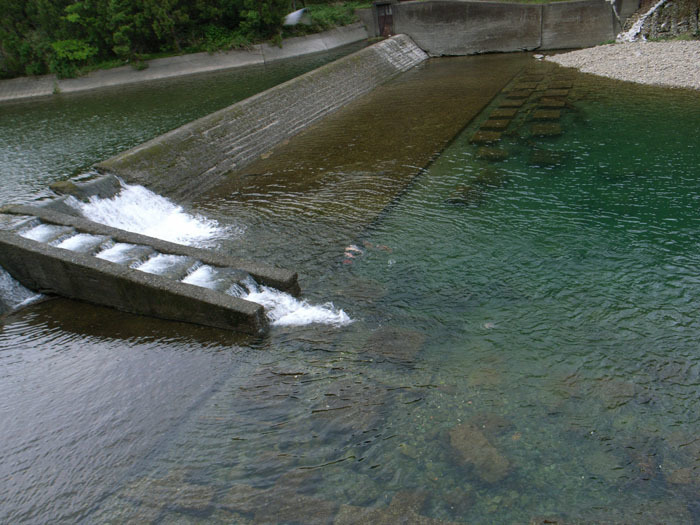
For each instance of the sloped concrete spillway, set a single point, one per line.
(56, 253)
(198, 155)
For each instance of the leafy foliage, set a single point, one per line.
(64, 36)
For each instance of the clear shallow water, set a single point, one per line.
(530, 355)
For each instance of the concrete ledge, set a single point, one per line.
(47, 269)
(284, 280)
(171, 67)
(196, 156)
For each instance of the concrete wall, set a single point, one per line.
(196, 156)
(464, 28)
(443, 27)
(568, 25)
(48, 269)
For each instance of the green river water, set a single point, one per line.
(524, 349)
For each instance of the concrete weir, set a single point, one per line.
(195, 157)
(80, 273)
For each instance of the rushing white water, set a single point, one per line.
(44, 232)
(631, 34)
(82, 242)
(163, 264)
(139, 210)
(12, 293)
(283, 309)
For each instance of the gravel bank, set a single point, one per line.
(675, 64)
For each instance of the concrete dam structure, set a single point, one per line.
(50, 250)
(442, 27)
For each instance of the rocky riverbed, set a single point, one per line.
(673, 64)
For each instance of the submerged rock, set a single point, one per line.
(349, 407)
(172, 491)
(104, 187)
(278, 504)
(473, 449)
(405, 507)
(395, 344)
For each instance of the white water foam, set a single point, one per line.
(285, 310)
(13, 293)
(633, 32)
(43, 232)
(119, 253)
(81, 242)
(162, 263)
(139, 210)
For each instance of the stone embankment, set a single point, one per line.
(666, 19)
(672, 64)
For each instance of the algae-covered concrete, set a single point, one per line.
(344, 171)
(194, 157)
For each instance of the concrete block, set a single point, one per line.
(546, 130)
(485, 137)
(51, 270)
(556, 93)
(492, 154)
(546, 114)
(511, 103)
(551, 102)
(561, 84)
(520, 93)
(502, 113)
(464, 28)
(495, 125)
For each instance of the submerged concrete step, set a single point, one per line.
(556, 93)
(495, 124)
(546, 114)
(546, 130)
(485, 137)
(551, 103)
(511, 103)
(502, 113)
